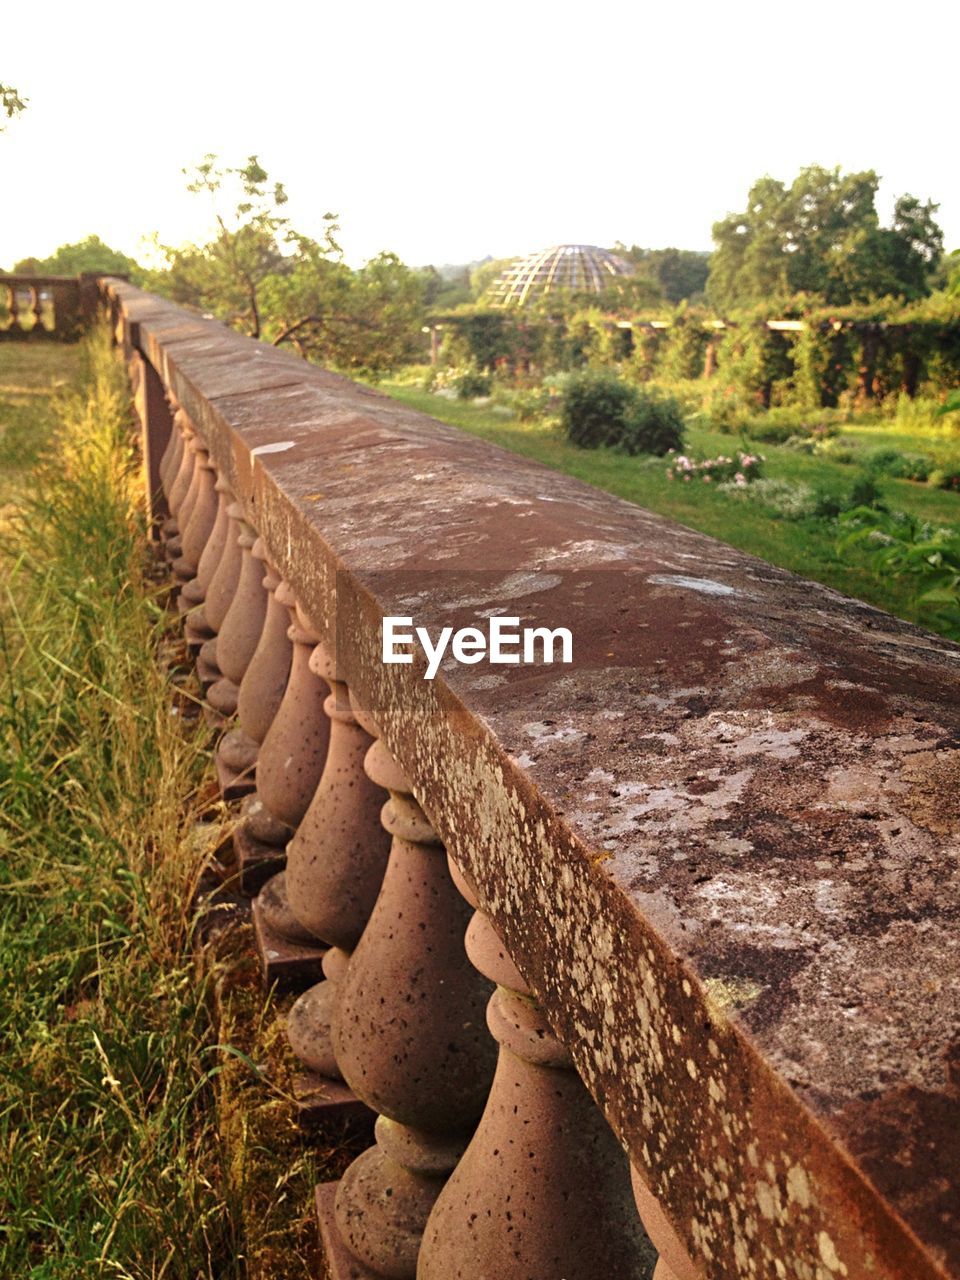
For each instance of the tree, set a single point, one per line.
(90, 254)
(903, 257)
(680, 274)
(445, 288)
(821, 237)
(272, 282)
(253, 242)
(361, 321)
(11, 104)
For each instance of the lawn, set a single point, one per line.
(31, 375)
(807, 546)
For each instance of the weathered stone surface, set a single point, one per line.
(721, 846)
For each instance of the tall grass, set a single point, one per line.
(110, 1162)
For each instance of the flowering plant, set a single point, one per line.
(739, 470)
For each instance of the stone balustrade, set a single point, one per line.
(35, 307)
(704, 879)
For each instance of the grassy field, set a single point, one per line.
(31, 374)
(808, 546)
(139, 1140)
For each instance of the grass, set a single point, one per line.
(137, 1141)
(31, 375)
(110, 1166)
(807, 546)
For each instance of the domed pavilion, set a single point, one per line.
(578, 268)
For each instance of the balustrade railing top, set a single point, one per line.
(720, 846)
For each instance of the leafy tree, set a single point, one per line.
(363, 321)
(680, 274)
(443, 290)
(90, 254)
(253, 242)
(270, 281)
(11, 104)
(625, 295)
(821, 237)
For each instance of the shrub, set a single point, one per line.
(652, 423)
(827, 506)
(865, 493)
(784, 499)
(726, 410)
(837, 450)
(945, 478)
(738, 471)
(901, 466)
(472, 383)
(771, 432)
(525, 403)
(843, 451)
(599, 408)
(901, 545)
(463, 381)
(782, 425)
(592, 408)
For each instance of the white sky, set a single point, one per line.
(446, 132)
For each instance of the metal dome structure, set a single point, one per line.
(580, 268)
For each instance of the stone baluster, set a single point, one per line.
(240, 630)
(335, 865)
(173, 454)
(179, 485)
(36, 307)
(336, 860)
(194, 593)
(261, 689)
(543, 1189)
(290, 759)
(185, 487)
(13, 308)
(234, 644)
(198, 524)
(202, 629)
(674, 1262)
(409, 1039)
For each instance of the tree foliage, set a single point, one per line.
(360, 321)
(270, 281)
(446, 288)
(90, 254)
(680, 275)
(11, 103)
(822, 237)
(253, 241)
